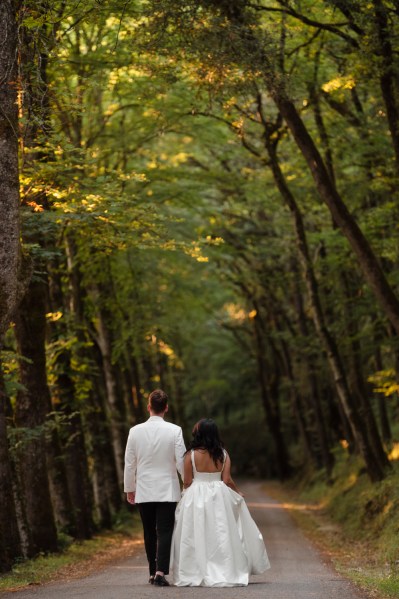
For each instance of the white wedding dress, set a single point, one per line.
(215, 541)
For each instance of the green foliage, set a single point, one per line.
(149, 181)
(373, 526)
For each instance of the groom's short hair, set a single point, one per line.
(158, 401)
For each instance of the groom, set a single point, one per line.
(154, 451)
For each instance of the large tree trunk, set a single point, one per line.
(389, 75)
(30, 413)
(9, 178)
(10, 546)
(25, 536)
(37, 374)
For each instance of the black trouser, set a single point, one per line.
(158, 518)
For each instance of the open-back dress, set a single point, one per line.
(215, 541)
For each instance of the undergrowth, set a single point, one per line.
(74, 557)
(365, 543)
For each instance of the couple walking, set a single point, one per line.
(210, 539)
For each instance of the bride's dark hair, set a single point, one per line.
(206, 436)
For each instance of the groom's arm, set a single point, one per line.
(180, 450)
(130, 468)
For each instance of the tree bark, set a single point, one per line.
(9, 176)
(389, 75)
(27, 549)
(10, 545)
(117, 416)
(30, 413)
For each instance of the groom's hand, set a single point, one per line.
(131, 497)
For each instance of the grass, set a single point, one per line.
(77, 558)
(354, 522)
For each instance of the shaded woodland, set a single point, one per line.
(199, 196)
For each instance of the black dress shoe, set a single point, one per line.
(151, 579)
(160, 581)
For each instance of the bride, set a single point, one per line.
(215, 541)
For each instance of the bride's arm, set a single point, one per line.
(226, 476)
(188, 471)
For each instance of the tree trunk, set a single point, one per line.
(314, 396)
(10, 545)
(272, 416)
(359, 388)
(310, 454)
(9, 177)
(105, 480)
(72, 434)
(74, 448)
(115, 403)
(30, 413)
(138, 400)
(388, 77)
(113, 464)
(27, 549)
(321, 454)
(58, 480)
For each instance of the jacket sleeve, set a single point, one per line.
(130, 465)
(180, 450)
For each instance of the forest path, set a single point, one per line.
(297, 571)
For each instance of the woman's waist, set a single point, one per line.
(207, 476)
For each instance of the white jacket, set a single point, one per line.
(154, 453)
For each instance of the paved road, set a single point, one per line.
(297, 570)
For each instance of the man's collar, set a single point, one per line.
(155, 418)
